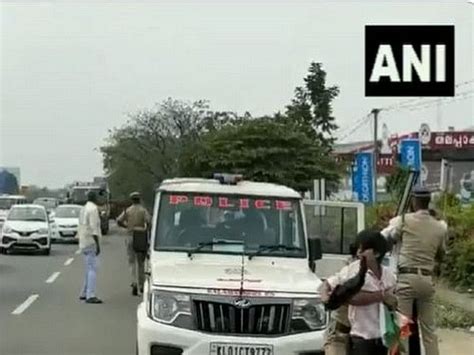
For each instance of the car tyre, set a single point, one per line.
(47, 251)
(3, 251)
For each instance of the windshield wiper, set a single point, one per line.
(275, 247)
(211, 243)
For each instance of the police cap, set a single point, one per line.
(421, 192)
(135, 195)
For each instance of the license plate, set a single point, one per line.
(240, 349)
(24, 241)
(68, 234)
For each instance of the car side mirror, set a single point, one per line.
(315, 252)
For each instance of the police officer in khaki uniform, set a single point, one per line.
(135, 218)
(421, 241)
(337, 336)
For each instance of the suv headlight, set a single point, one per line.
(165, 307)
(43, 231)
(7, 229)
(308, 314)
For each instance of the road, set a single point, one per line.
(54, 322)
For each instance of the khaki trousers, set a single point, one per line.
(136, 262)
(336, 342)
(419, 288)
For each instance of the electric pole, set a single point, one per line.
(375, 112)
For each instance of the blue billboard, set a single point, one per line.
(410, 154)
(363, 178)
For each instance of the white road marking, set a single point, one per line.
(53, 277)
(78, 251)
(22, 307)
(68, 261)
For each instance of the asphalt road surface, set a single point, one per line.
(40, 312)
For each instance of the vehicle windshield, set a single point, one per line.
(79, 195)
(27, 214)
(187, 220)
(7, 203)
(48, 203)
(67, 212)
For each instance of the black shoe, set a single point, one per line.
(134, 290)
(82, 298)
(94, 300)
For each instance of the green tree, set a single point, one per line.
(311, 108)
(397, 181)
(261, 149)
(149, 147)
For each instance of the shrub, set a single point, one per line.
(458, 265)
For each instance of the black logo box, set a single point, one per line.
(396, 37)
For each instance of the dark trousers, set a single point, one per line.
(360, 346)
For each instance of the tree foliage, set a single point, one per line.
(262, 150)
(149, 147)
(311, 108)
(177, 138)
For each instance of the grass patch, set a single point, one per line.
(450, 316)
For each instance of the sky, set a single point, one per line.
(72, 70)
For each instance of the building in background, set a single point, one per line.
(9, 180)
(453, 146)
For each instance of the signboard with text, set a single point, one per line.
(410, 154)
(363, 179)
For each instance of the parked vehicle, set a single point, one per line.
(26, 227)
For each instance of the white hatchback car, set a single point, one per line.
(66, 221)
(26, 227)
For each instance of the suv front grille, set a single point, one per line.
(23, 233)
(264, 319)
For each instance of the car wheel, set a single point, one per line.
(3, 251)
(47, 251)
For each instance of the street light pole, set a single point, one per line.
(375, 112)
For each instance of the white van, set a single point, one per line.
(232, 270)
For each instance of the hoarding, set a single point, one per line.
(9, 180)
(363, 179)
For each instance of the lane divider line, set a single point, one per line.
(22, 307)
(78, 251)
(68, 261)
(53, 277)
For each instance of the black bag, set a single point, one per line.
(140, 241)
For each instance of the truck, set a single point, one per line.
(77, 195)
(235, 266)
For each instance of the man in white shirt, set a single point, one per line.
(89, 235)
(364, 317)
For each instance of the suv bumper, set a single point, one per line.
(151, 333)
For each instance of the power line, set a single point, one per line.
(428, 103)
(421, 99)
(355, 128)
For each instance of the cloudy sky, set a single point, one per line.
(71, 70)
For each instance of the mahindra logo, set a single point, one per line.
(242, 303)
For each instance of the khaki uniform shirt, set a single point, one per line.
(135, 217)
(422, 237)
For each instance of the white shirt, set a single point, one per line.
(89, 225)
(365, 319)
